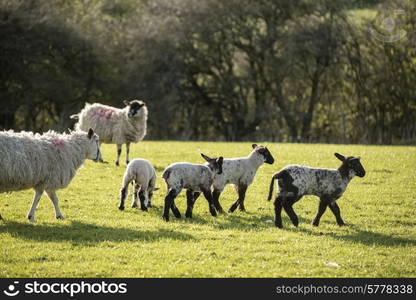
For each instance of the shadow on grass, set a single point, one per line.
(360, 236)
(84, 233)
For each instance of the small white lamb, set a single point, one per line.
(240, 172)
(114, 125)
(143, 176)
(195, 178)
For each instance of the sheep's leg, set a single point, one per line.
(337, 213)
(142, 199)
(135, 202)
(240, 201)
(127, 153)
(215, 197)
(168, 203)
(52, 195)
(118, 154)
(208, 196)
(323, 204)
(36, 198)
(190, 203)
(175, 210)
(278, 211)
(288, 206)
(123, 195)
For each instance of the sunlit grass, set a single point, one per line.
(98, 240)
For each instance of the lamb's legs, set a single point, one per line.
(52, 195)
(208, 196)
(337, 213)
(215, 197)
(278, 211)
(175, 210)
(118, 154)
(136, 189)
(123, 195)
(190, 203)
(36, 198)
(323, 204)
(288, 207)
(142, 199)
(242, 188)
(168, 203)
(127, 153)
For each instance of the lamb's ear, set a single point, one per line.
(220, 160)
(155, 189)
(126, 102)
(254, 146)
(339, 156)
(208, 159)
(90, 133)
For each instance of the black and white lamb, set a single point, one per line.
(240, 172)
(114, 125)
(195, 178)
(328, 184)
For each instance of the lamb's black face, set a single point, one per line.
(268, 158)
(355, 164)
(134, 108)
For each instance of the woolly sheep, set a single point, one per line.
(45, 162)
(143, 176)
(328, 184)
(113, 125)
(195, 178)
(240, 172)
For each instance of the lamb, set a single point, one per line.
(143, 176)
(195, 179)
(113, 125)
(45, 162)
(328, 184)
(240, 172)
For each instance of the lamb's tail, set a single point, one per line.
(74, 117)
(274, 177)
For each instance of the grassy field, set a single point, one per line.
(98, 240)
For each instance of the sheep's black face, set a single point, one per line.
(215, 164)
(355, 164)
(351, 163)
(134, 108)
(267, 156)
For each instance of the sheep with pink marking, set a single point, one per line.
(45, 162)
(114, 125)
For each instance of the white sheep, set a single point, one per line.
(114, 125)
(240, 172)
(45, 162)
(328, 184)
(195, 178)
(143, 176)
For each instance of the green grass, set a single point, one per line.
(98, 240)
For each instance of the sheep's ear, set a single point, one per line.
(90, 133)
(155, 189)
(254, 146)
(208, 159)
(220, 160)
(339, 156)
(126, 103)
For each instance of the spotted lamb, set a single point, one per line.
(195, 178)
(240, 172)
(328, 184)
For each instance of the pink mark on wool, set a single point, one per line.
(58, 143)
(103, 114)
